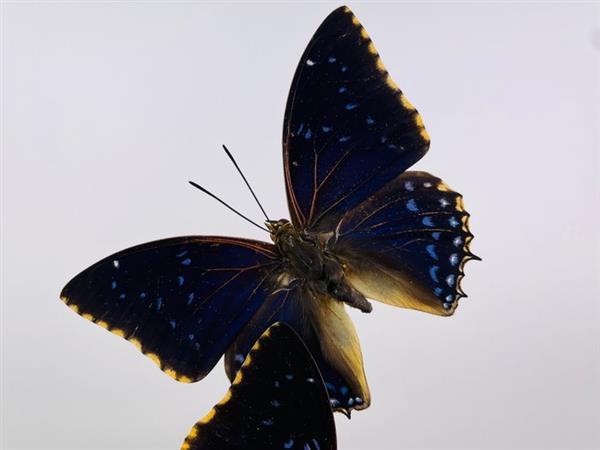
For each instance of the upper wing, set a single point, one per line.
(348, 128)
(407, 245)
(329, 333)
(181, 301)
(277, 401)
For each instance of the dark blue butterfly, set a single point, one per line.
(362, 226)
(276, 401)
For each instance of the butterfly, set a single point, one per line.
(361, 226)
(276, 401)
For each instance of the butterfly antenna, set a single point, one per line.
(245, 181)
(197, 186)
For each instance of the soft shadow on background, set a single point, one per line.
(109, 108)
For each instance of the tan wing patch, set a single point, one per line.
(340, 345)
(392, 287)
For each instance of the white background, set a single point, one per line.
(109, 108)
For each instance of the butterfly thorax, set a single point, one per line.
(306, 261)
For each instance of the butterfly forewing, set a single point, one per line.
(348, 129)
(277, 401)
(181, 301)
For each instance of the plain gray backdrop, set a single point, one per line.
(109, 108)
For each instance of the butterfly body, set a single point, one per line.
(308, 263)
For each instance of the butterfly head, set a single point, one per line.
(278, 227)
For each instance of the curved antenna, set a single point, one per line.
(246, 181)
(197, 186)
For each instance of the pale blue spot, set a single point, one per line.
(433, 273)
(409, 186)
(344, 390)
(142, 295)
(158, 303)
(351, 106)
(427, 221)
(186, 262)
(446, 305)
(267, 422)
(180, 280)
(289, 376)
(350, 401)
(113, 284)
(344, 68)
(310, 62)
(310, 380)
(392, 146)
(331, 59)
(444, 202)
(383, 139)
(300, 128)
(191, 336)
(370, 120)
(308, 134)
(326, 129)
(453, 222)
(276, 384)
(358, 400)
(431, 250)
(173, 324)
(288, 444)
(454, 259)
(436, 235)
(116, 264)
(438, 291)
(334, 402)
(190, 298)
(457, 241)
(239, 358)
(450, 298)
(411, 205)
(183, 253)
(275, 404)
(122, 296)
(344, 139)
(329, 386)
(450, 280)
(342, 89)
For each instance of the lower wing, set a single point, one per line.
(328, 332)
(408, 244)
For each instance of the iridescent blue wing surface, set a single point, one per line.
(348, 129)
(181, 301)
(328, 332)
(407, 245)
(277, 401)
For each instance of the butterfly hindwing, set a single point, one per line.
(181, 301)
(348, 129)
(407, 245)
(327, 331)
(277, 401)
